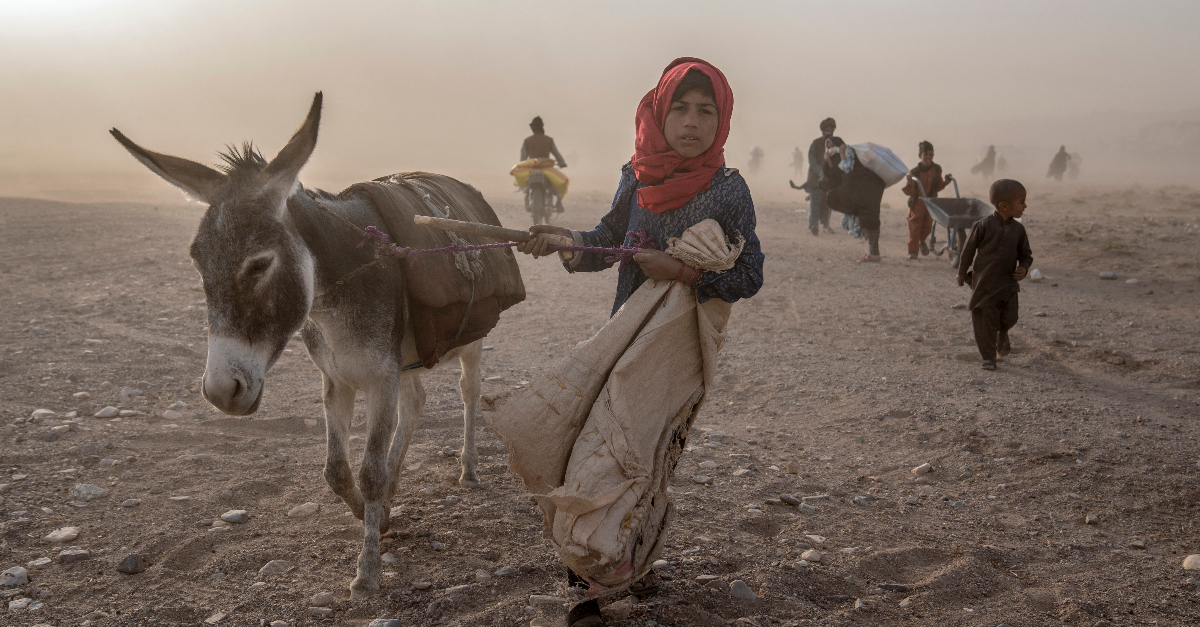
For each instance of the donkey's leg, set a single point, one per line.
(411, 401)
(374, 481)
(339, 411)
(469, 385)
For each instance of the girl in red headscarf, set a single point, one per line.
(676, 179)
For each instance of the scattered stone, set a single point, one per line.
(422, 585)
(482, 576)
(464, 588)
(718, 584)
(741, 472)
(107, 412)
(702, 479)
(864, 500)
(236, 516)
(907, 602)
(303, 511)
(19, 604)
(1091, 519)
(322, 599)
(1191, 562)
(17, 576)
(258, 585)
(1035, 276)
(1039, 314)
(545, 600)
(805, 508)
(388, 558)
(816, 540)
(274, 567)
(73, 554)
(739, 590)
(708, 465)
(922, 469)
(131, 502)
(959, 306)
(310, 423)
(789, 499)
(132, 564)
(320, 612)
(812, 555)
(509, 571)
(385, 622)
(38, 563)
(1138, 544)
(63, 534)
(280, 623)
(1108, 276)
(197, 457)
(619, 611)
(894, 587)
(706, 578)
(215, 618)
(88, 492)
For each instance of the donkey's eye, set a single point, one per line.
(257, 266)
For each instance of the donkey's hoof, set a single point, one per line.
(469, 480)
(362, 589)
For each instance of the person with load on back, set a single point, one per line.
(541, 146)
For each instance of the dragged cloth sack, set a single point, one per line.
(445, 289)
(597, 438)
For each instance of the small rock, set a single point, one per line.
(17, 576)
(19, 604)
(618, 612)
(388, 558)
(922, 469)
(717, 584)
(422, 585)
(545, 600)
(789, 499)
(1131, 281)
(1138, 544)
(864, 500)
(805, 508)
(1091, 519)
(73, 554)
(741, 472)
(739, 590)
(274, 567)
(322, 599)
(107, 412)
(708, 465)
(1108, 276)
(1035, 276)
(132, 564)
(482, 575)
(1191, 562)
(63, 534)
(303, 511)
(959, 306)
(310, 423)
(508, 571)
(816, 539)
(702, 479)
(38, 563)
(906, 602)
(280, 623)
(236, 516)
(894, 587)
(42, 414)
(320, 612)
(172, 415)
(131, 502)
(385, 622)
(215, 618)
(258, 585)
(812, 555)
(88, 492)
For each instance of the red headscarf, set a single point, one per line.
(674, 180)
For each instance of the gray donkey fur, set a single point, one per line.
(270, 257)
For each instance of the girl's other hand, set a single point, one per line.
(657, 265)
(539, 246)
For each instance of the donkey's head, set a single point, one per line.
(257, 273)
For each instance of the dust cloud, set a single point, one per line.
(450, 86)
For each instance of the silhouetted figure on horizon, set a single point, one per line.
(797, 162)
(987, 167)
(1058, 166)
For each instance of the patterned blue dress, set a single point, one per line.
(727, 201)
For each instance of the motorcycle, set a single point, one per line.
(539, 197)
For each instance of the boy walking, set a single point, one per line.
(920, 223)
(996, 256)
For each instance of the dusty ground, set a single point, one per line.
(837, 380)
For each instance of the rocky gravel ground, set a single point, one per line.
(853, 466)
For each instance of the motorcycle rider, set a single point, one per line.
(541, 146)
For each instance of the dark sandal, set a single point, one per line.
(585, 614)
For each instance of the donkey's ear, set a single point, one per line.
(198, 181)
(285, 167)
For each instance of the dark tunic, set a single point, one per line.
(859, 193)
(994, 250)
(727, 201)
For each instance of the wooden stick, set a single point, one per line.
(489, 231)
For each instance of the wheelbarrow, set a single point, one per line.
(956, 214)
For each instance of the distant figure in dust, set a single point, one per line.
(987, 166)
(756, 159)
(1058, 166)
(541, 146)
(818, 208)
(1001, 165)
(797, 162)
(1073, 166)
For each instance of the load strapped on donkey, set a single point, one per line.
(541, 182)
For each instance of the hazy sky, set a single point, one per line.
(451, 86)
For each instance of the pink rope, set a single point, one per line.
(639, 241)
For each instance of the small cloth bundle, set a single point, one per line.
(596, 440)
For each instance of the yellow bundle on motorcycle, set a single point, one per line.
(558, 180)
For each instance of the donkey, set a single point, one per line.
(276, 258)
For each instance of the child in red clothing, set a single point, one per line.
(920, 224)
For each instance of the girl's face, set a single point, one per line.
(691, 125)
(927, 157)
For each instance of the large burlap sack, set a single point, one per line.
(882, 161)
(597, 438)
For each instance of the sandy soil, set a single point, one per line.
(837, 380)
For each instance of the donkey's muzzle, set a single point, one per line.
(234, 376)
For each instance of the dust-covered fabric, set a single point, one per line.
(597, 438)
